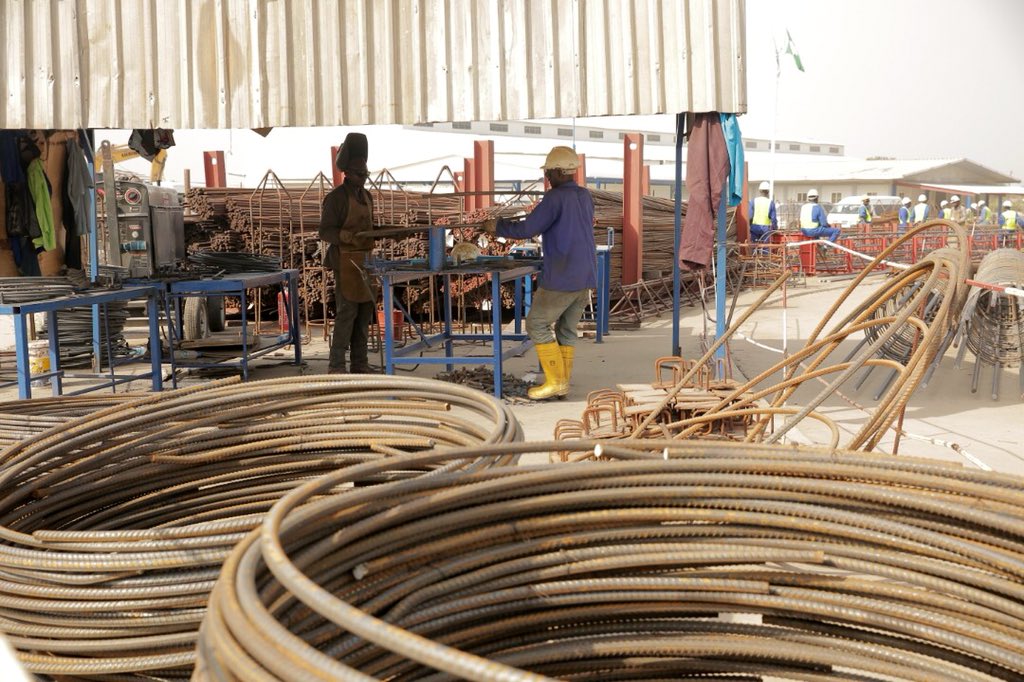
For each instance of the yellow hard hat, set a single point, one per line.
(563, 158)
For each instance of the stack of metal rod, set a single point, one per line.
(21, 419)
(993, 321)
(29, 289)
(853, 567)
(113, 526)
(75, 334)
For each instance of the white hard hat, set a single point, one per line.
(812, 193)
(922, 197)
(1007, 204)
(764, 187)
(865, 198)
(981, 202)
(954, 198)
(563, 158)
(943, 203)
(906, 201)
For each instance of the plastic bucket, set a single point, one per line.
(38, 357)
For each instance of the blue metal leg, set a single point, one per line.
(53, 338)
(678, 227)
(448, 319)
(292, 304)
(496, 330)
(245, 340)
(599, 304)
(720, 279)
(606, 311)
(389, 340)
(517, 305)
(153, 311)
(21, 354)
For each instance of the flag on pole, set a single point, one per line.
(791, 50)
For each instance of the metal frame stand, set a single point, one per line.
(446, 339)
(95, 299)
(237, 285)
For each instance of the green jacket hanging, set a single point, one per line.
(39, 188)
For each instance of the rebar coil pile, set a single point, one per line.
(860, 567)
(113, 527)
(20, 419)
(74, 331)
(993, 322)
(821, 358)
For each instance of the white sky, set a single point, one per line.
(902, 78)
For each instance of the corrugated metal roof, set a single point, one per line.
(811, 169)
(261, 63)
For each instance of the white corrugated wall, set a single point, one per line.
(261, 63)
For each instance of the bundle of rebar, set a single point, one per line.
(993, 321)
(843, 567)
(113, 526)
(822, 360)
(29, 289)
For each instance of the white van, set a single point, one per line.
(846, 212)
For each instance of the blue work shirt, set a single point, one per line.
(905, 215)
(864, 214)
(565, 218)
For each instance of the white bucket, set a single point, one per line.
(38, 357)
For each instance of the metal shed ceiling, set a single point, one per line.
(261, 63)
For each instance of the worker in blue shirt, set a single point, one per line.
(905, 215)
(945, 212)
(1009, 220)
(763, 220)
(984, 213)
(864, 215)
(564, 219)
(921, 209)
(814, 221)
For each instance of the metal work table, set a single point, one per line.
(498, 272)
(237, 285)
(21, 311)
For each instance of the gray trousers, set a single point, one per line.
(351, 332)
(559, 309)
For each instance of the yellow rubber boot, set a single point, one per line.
(568, 353)
(554, 373)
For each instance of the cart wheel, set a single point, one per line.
(215, 314)
(195, 324)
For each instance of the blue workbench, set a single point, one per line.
(238, 285)
(21, 311)
(521, 274)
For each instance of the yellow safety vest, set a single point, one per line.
(1009, 219)
(867, 214)
(762, 210)
(805, 216)
(985, 214)
(947, 213)
(919, 210)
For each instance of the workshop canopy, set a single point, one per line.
(259, 64)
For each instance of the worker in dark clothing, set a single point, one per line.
(347, 211)
(564, 220)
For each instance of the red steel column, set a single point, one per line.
(581, 173)
(469, 170)
(645, 181)
(337, 176)
(742, 219)
(632, 214)
(483, 156)
(216, 172)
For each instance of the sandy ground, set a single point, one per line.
(989, 432)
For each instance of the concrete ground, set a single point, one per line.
(988, 433)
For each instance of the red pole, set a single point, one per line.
(742, 219)
(581, 173)
(337, 176)
(216, 172)
(632, 213)
(645, 182)
(483, 156)
(469, 171)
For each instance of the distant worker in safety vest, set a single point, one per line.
(921, 209)
(956, 210)
(864, 215)
(814, 221)
(1008, 224)
(906, 215)
(763, 220)
(984, 214)
(565, 220)
(945, 211)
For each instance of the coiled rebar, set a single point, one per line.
(113, 526)
(853, 567)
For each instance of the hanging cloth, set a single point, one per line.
(734, 143)
(39, 188)
(707, 170)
